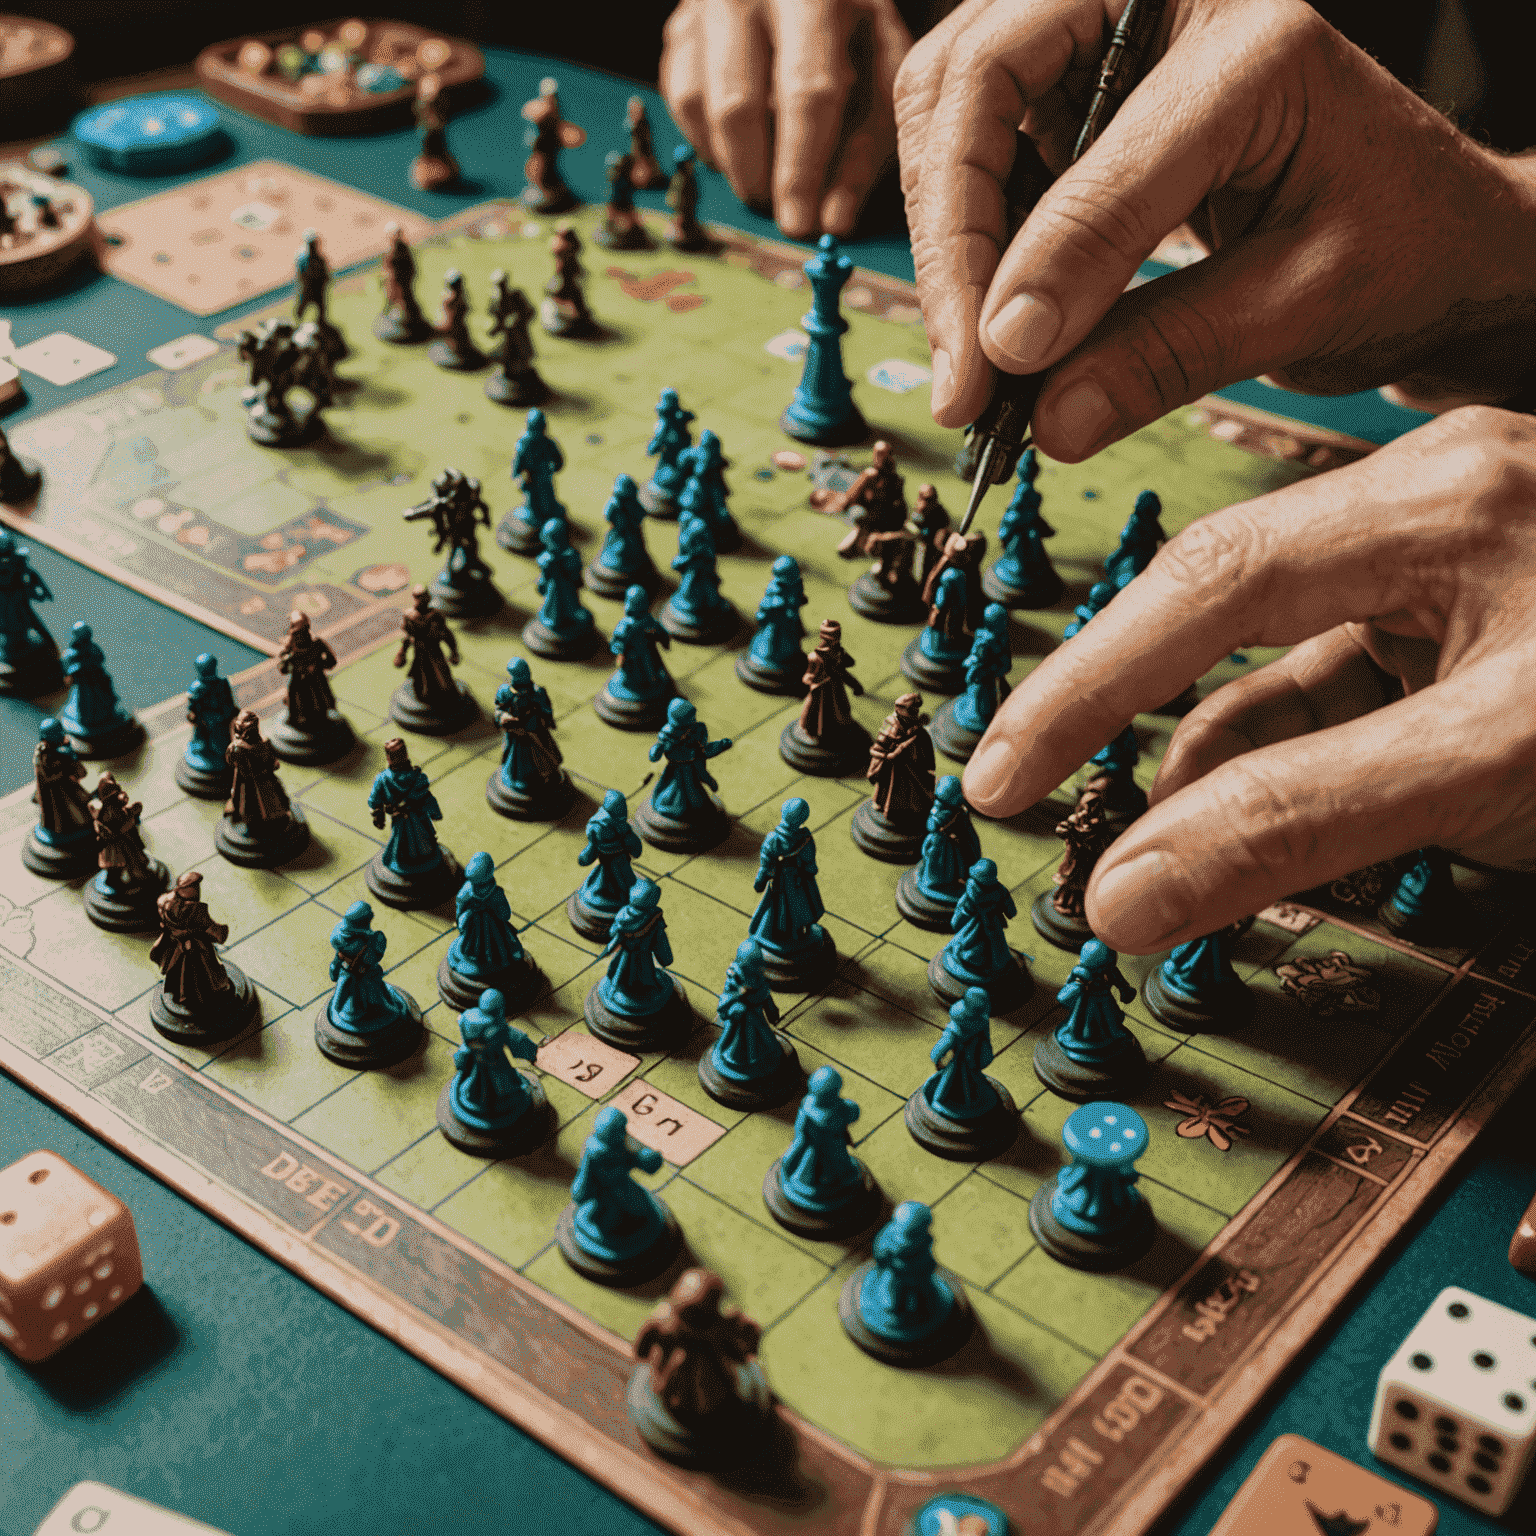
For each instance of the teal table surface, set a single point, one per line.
(231, 1390)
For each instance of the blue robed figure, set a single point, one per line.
(1139, 541)
(780, 630)
(668, 443)
(986, 670)
(685, 783)
(822, 410)
(560, 581)
(819, 1172)
(1023, 574)
(535, 461)
(363, 1001)
(1202, 967)
(91, 710)
(624, 552)
(611, 844)
(950, 845)
(21, 630)
(1093, 1028)
(637, 982)
(960, 1088)
(1100, 594)
(747, 1049)
(615, 1217)
(487, 944)
(979, 947)
(403, 793)
(488, 1092)
(211, 709)
(698, 592)
(641, 674)
(903, 1296)
(786, 876)
(705, 493)
(529, 754)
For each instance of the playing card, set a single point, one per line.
(62, 358)
(182, 352)
(95, 1507)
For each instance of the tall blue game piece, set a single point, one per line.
(202, 769)
(751, 1065)
(563, 629)
(489, 1108)
(705, 493)
(615, 1231)
(636, 696)
(1023, 576)
(682, 815)
(487, 952)
(536, 460)
(530, 784)
(624, 561)
(961, 1113)
(819, 1189)
(96, 724)
(366, 1022)
(1425, 902)
(978, 955)
(775, 662)
(638, 1006)
(62, 844)
(960, 723)
(696, 613)
(927, 895)
(798, 953)
(611, 844)
(668, 443)
(1195, 988)
(1113, 769)
(935, 659)
(29, 660)
(900, 1306)
(413, 870)
(1090, 1215)
(1139, 541)
(822, 411)
(1091, 1054)
(1100, 595)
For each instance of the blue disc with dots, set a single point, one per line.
(150, 135)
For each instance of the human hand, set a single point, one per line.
(1420, 558)
(790, 98)
(1341, 210)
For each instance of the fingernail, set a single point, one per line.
(1081, 418)
(1138, 903)
(1022, 331)
(943, 378)
(989, 773)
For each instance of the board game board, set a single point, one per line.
(1284, 1155)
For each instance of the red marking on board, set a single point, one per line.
(658, 286)
(679, 303)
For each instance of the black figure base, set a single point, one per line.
(883, 837)
(225, 1019)
(53, 862)
(553, 646)
(902, 604)
(1433, 926)
(262, 844)
(807, 970)
(657, 502)
(401, 330)
(718, 626)
(656, 1031)
(931, 676)
(516, 388)
(129, 909)
(36, 670)
(1044, 593)
(784, 681)
(840, 755)
(612, 584)
(622, 1273)
(733, 1436)
(1007, 991)
(548, 803)
(517, 535)
(478, 600)
(371, 1052)
(705, 831)
(202, 783)
(784, 1083)
(632, 714)
(410, 714)
(843, 434)
(1116, 1078)
(945, 1341)
(530, 1130)
(118, 742)
(951, 738)
(519, 984)
(1068, 933)
(456, 359)
(410, 893)
(312, 748)
(922, 910)
(593, 923)
(855, 1215)
(1078, 1250)
(1227, 1008)
(964, 1141)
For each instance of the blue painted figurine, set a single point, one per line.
(1196, 988)
(1139, 541)
(563, 629)
(775, 661)
(1091, 1215)
(696, 613)
(96, 724)
(668, 442)
(203, 768)
(637, 1005)
(366, 1021)
(978, 955)
(681, 815)
(636, 695)
(487, 952)
(1091, 1054)
(624, 561)
(822, 410)
(1023, 576)
(413, 869)
(960, 723)
(750, 1065)
(611, 844)
(819, 1189)
(927, 894)
(530, 784)
(798, 953)
(29, 660)
(900, 1306)
(935, 659)
(535, 462)
(705, 493)
(488, 1108)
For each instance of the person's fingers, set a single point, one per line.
(812, 76)
(871, 143)
(682, 72)
(737, 63)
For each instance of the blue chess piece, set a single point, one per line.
(978, 955)
(696, 613)
(624, 561)
(705, 492)
(935, 658)
(62, 844)
(926, 895)
(1424, 905)
(798, 953)
(819, 1189)
(1100, 594)
(563, 629)
(536, 460)
(682, 815)
(615, 1231)
(202, 769)
(488, 1108)
(611, 844)
(1139, 541)
(366, 1022)
(668, 442)
(1195, 988)
(529, 784)
(775, 662)
(751, 1065)
(1114, 769)
(1023, 576)
(29, 660)
(961, 1113)
(413, 869)
(1090, 1215)
(822, 410)
(1091, 1054)
(487, 953)
(900, 1306)
(638, 1006)
(636, 695)
(96, 724)
(960, 723)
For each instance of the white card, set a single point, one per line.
(62, 358)
(790, 345)
(95, 1507)
(182, 352)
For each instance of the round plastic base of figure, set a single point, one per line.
(264, 845)
(311, 748)
(929, 674)
(949, 1338)
(612, 584)
(202, 783)
(516, 388)
(456, 359)
(1037, 594)
(1068, 933)
(954, 740)
(884, 838)
(806, 970)
(268, 431)
(53, 861)
(713, 628)
(964, 1141)
(784, 681)
(553, 646)
(632, 714)
(634, 1270)
(517, 535)
(628, 237)
(475, 600)
(548, 803)
(1417, 927)
(128, 911)
(412, 893)
(704, 831)
(845, 433)
(36, 670)
(410, 714)
(1227, 1008)
(841, 755)
(874, 600)
(592, 923)
(118, 742)
(1116, 1077)
(401, 330)
(656, 1031)
(784, 1083)
(732, 1436)
(519, 984)
(856, 1214)
(1077, 1250)
(378, 1048)
(1006, 991)
(530, 1130)
(220, 1020)
(922, 910)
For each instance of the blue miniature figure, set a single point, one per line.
(615, 1230)
(62, 844)
(1424, 901)
(1091, 1215)
(696, 613)
(705, 492)
(1139, 541)
(960, 1112)
(535, 461)
(1091, 1054)
(822, 410)
(936, 658)
(487, 952)
(960, 723)
(927, 895)
(798, 953)
(488, 1107)
(92, 718)
(562, 630)
(667, 445)
(636, 696)
(29, 660)
(1100, 595)
(530, 784)
(1196, 987)
(775, 662)
(203, 769)
(412, 870)
(637, 1002)
(624, 561)
(681, 812)
(978, 955)
(750, 1065)
(899, 1306)
(1023, 576)
(819, 1188)
(611, 844)
(1124, 799)
(367, 1021)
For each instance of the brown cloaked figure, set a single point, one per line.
(698, 1395)
(259, 829)
(434, 167)
(1087, 831)
(515, 380)
(647, 172)
(62, 846)
(891, 824)
(876, 502)
(564, 311)
(826, 740)
(200, 997)
(309, 730)
(886, 592)
(122, 896)
(453, 347)
(929, 524)
(431, 701)
(965, 552)
(401, 320)
(547, 191)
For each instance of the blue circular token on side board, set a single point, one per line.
(967, 1515)
(150, 135)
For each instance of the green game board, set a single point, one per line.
(1284, 1155)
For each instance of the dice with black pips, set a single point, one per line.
(1456, 1405)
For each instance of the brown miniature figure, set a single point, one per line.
(259, 828)
(826, 739)
(647, 172)
(516, 381)
(929, 525)
(185, 950)
(878, 491)
(431, 700)
(63, 807)
(966, 551)
(886, 592)
(309, 730)
(891, 824)
(401, 319)
(434, 167)
(121, 898)
(453, 347)
(547, 191)
(1087, 831)
(564, 311)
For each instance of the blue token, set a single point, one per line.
(930, 1521)
(150, 135)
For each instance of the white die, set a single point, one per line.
(1456, 1405)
